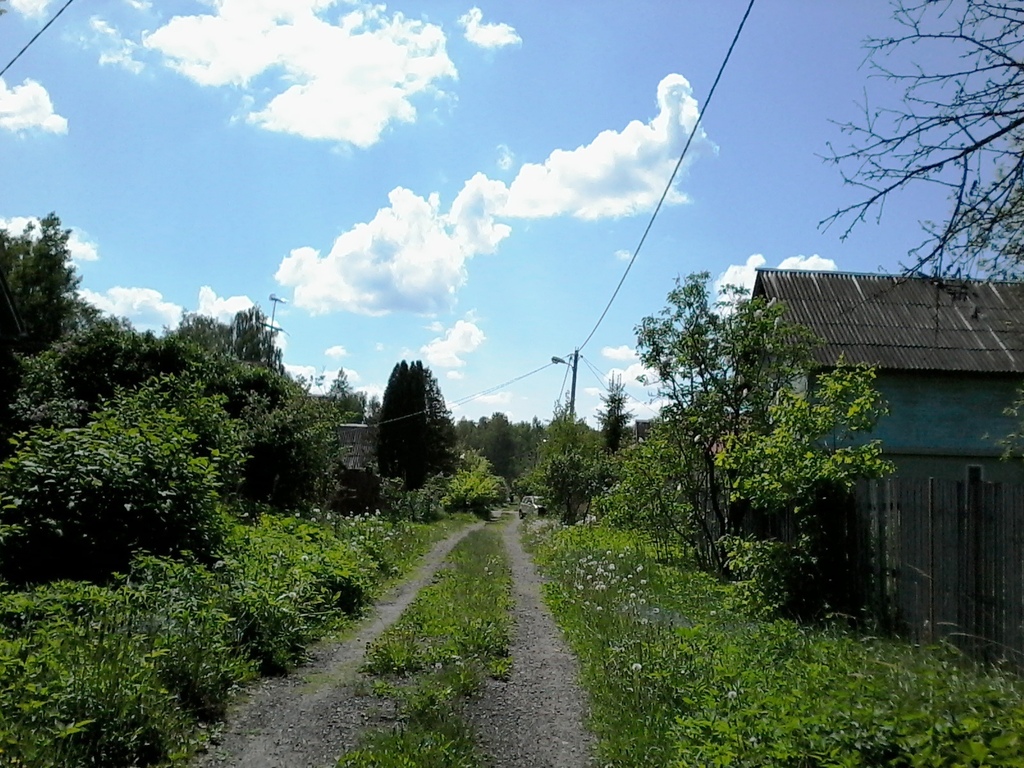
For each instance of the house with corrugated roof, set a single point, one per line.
(949, 356)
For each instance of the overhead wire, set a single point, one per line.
(600, 377)
(469, 398)
(672, 178)
(35, 37)
(565, 378)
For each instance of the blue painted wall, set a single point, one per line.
(938, 423)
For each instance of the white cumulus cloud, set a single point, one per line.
(28, 106)
(618, 173)
(114, 48)
(455, 375)
(337, 352)
(411, 256)
(221, 308)
(506, 157)
(743, 275)
(345, 81)
(146, 308)
(631, 375)
(498, 398)
(623, 353)
(447, 351)
(489, 35)
(30, 8)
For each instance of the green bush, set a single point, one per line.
(119, 675)
(183, 609)
(473, 488)
(79, 685)
(287, 577)
(80, 502)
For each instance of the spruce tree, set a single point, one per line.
(416, 436)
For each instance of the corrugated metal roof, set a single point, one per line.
(910, 323)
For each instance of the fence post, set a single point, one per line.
(931, 560)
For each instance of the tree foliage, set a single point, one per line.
(79, 503)
(719, 365)
(247, 338)
(512, 449)
(614, 417)
(415, 435)
(957, 126)
(811, 444)
(44, 281)
(574, 469)
(474, 487)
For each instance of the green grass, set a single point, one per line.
(121, 675)
(436, 655)
(678, 679)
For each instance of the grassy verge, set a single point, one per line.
(453, 634)
(121, 675)
(677, 679)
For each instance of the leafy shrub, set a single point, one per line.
(422, 505)
(293, 449)
(473, 488)
(79, 686)
(182, 608)
(764, 572)
(287, 578)
(82, 501)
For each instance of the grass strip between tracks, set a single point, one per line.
(454, 634)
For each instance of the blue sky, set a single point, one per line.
(436, 180)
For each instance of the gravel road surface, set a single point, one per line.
(536, 718)
(308, 718)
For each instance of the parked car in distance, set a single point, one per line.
(532, 504)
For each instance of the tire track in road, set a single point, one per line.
(308, 718)
(536, 718)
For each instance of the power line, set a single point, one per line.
(565, 378)
(489, 390)
(672, 178)
(600, 378)
(35, 37)
(470, 398)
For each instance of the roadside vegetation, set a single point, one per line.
(681, 674)
(437, 655)
(176, 518)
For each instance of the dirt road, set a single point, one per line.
(308, 718)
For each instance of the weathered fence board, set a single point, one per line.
(942, 560)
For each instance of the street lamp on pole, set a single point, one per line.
(273, 313)
(572, 392)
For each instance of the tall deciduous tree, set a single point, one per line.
(43, 281)
(415, 435)
(720, 366)
(956, 122)
(248, 337)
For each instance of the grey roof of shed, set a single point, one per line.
(905, 323)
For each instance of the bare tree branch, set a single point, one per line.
(960, 127)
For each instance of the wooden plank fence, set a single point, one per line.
(941, 560)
